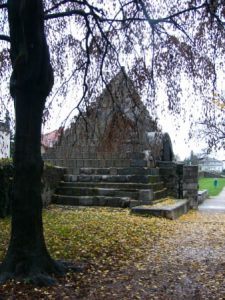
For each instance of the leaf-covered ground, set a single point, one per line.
(124, 256)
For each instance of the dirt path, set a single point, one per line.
(186, 262)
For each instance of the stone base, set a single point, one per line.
(170, 212)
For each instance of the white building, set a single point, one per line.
(4, 140)
(209, 164)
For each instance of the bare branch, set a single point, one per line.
(152, 22)
(168, 19)
(55, 6)
(5, 38)
(70, 13)
(3, 5)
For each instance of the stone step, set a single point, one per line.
(74, 165)
(115, 185)
(94, 201)
(102, 155)
(119, 171)
(172, 212)
(94, 191)
(144, 195)
(113, 178)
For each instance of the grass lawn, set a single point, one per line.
(208, 184)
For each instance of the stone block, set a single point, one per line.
(101, 163)
(135, 155)
(80, 163)
(166, 164)
(145, 195)
(134, 203)
(138, 163)
(113, 156)
(202, 195)
(190, 172)
(84, 178)
(70, 177)
(170, 212)
(109, 163)
(78, 154)
(167, 172)
(117, 163)
(93, 155)
(94, 163)
(113, 171)
(190, 186)
(70, 170)
(76, 171)
(86, 171)
(85, 155)
(86, 163)
(86, 201)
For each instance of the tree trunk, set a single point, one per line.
(31, 81)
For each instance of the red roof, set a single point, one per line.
(50, 139)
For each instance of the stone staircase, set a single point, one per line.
(113, 186)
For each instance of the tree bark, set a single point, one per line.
(31, 81)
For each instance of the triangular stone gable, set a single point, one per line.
(116, 124)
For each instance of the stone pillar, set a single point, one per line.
(168, 173)
(190, 185)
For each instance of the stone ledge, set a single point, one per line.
(202, 195)
(172, 212)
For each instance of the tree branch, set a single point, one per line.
(5, 38)
(152, 22)
(170, 17)
(3, 5)
(70, 13)
(55, 6)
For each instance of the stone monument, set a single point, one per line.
(115, 126)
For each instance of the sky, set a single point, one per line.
(182, 144)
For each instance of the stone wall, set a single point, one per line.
(180, 180)
(103, 160)
(51, 177)
(202, 195)
(172, 175)
(50, 180)
(190, 185)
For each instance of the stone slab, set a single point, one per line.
(116, 185)
(202, 195)
(91, 201)
(170, 212)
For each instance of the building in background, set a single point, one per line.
(49, 140)
(209, 164)
(4, 139)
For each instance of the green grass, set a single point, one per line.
(208, 184)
